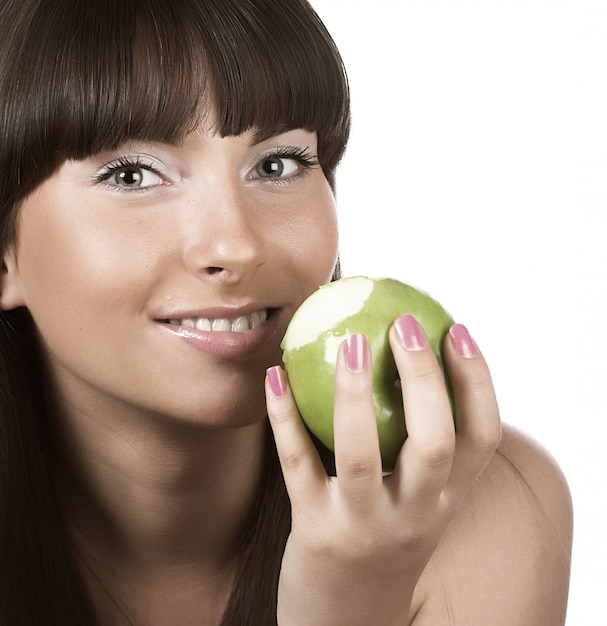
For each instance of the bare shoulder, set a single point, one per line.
(505, 559)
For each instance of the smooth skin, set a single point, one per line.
(456, 534)
(158, 443)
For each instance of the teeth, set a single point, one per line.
(202, 323)
(258, 318)
(240, 324)
(237, 325)
(221, 324)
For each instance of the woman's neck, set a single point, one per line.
(158, 507)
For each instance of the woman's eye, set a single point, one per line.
(132, 177)
(126, 175)
(277, 167)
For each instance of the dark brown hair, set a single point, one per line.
(78, 77)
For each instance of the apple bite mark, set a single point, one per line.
(326, 308)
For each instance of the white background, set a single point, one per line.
(477, 170)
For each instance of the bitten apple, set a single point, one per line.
(356, 305)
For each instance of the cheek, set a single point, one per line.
(312, 240)
(322, 251)
(72, 273)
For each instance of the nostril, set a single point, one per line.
(214, 270)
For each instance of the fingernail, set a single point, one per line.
(356, 353)
(462, 341)
(410, 333)
(276, 378)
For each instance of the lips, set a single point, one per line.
(240, 334)
(238, 324)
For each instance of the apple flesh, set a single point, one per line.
(356, 305)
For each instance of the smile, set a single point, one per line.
(238, 324)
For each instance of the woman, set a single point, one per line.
(167, 176)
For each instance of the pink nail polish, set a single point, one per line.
(410, 333)
(462, 342)
(276, 379)
(356, 353)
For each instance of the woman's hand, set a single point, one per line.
(360, 540)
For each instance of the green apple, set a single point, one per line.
(356, 305)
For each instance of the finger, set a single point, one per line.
(424, 463)
(357, 457)
(476, 410)
(302, 468)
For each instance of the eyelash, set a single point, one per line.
(126, 163)
(299, 155)
(302, 155)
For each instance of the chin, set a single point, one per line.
(228, 412)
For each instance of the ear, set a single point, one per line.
(11, 289)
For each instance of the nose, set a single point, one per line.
(226, 239)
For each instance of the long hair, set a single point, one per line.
(79, 77)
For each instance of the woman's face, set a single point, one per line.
(150, 270)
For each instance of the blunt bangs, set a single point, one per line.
(79, 77)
